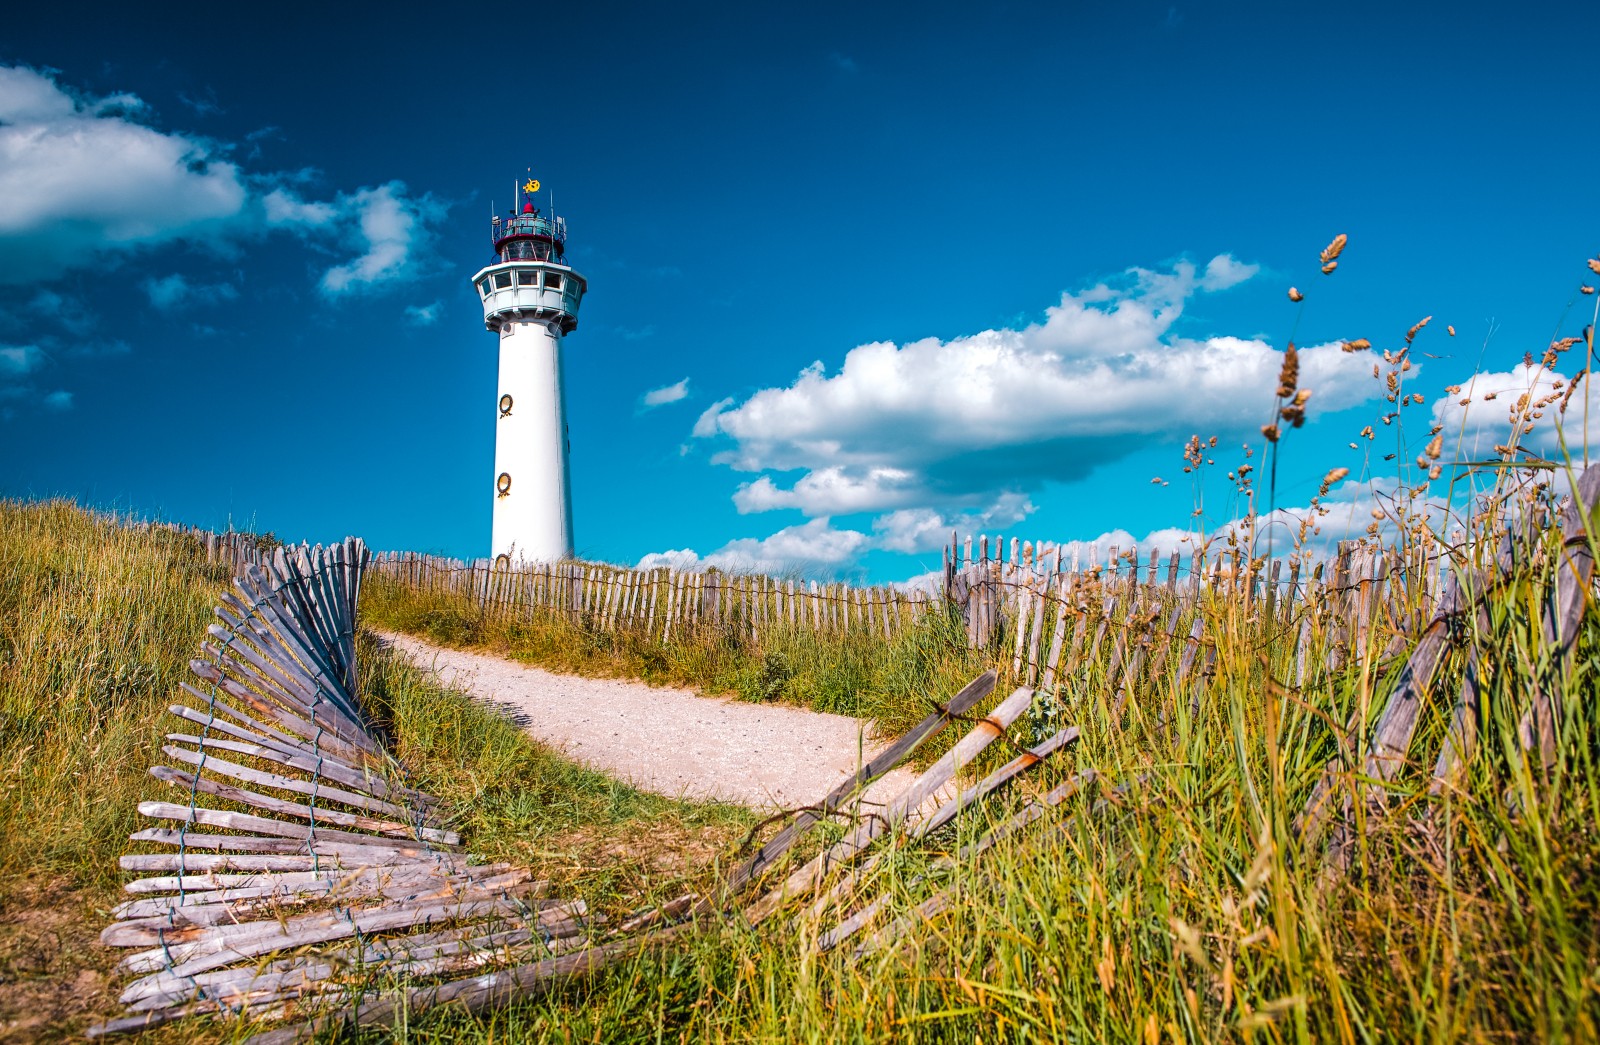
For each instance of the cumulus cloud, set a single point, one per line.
(936, 436)
(914, 530)
(57, 400)
(84, 181)
(80, 179)
(666, 394)
(1482, 414)
(962, 422)
(818, 548)
(813, 547)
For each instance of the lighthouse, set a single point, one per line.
(530, 300)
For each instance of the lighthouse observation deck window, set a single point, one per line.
(552, 281)
(483, 287)
(528, 279)
(502, 280)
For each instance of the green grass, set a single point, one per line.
(1171, 903)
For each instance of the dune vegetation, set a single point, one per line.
(1173, 900)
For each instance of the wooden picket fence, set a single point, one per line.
(1056, 617)
(1053, 618)
(660, 602)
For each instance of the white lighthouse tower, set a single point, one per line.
(530, 298)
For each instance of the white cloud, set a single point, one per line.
(833, 491)
(705, 425)
(817, 548)
(914, 530)
(26, 95)
(83, 182)
(58, 400)
(388, 227)
(170, 292)
(1224, 271)
(814, 547)
(284, 208)
(1480, 417)
(423, 315)
(936, 436)
(78, 180)
(674, 559)
(666, 394)
(938, 423)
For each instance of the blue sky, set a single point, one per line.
(910, 268)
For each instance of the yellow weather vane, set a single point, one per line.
(532, 186)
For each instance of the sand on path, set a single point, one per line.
(673, 742)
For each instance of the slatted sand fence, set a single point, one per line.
(1135, 626)
(662, 601)
(293, 859)
(1379, 771)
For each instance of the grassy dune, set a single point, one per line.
(1170, 902)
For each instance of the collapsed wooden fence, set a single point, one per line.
(294, 848)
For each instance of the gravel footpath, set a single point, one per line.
(671, 741)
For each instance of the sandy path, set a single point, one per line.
(671, 741)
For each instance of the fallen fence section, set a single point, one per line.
(292, 842)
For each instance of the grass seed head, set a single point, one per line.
(1334, 249)
(1295, 295)
(1424, 321)
(1289, 375)
(1360, 344)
